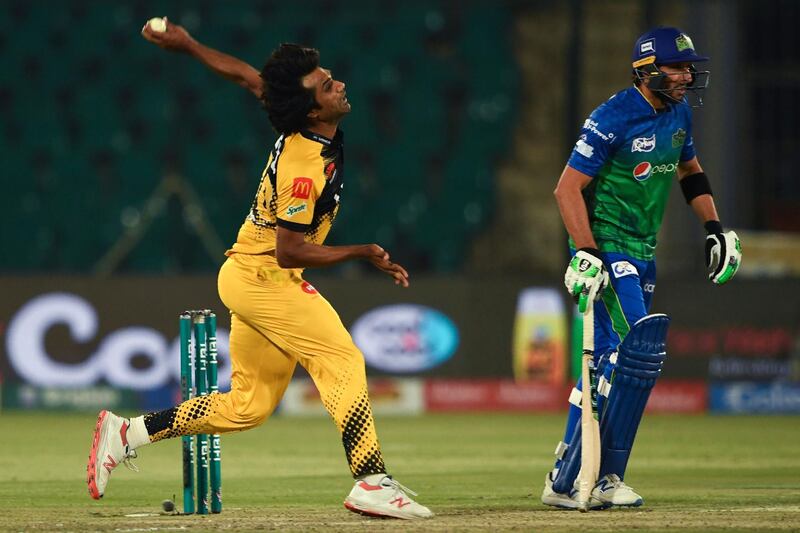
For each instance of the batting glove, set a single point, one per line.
(586, 277)
(723, 253)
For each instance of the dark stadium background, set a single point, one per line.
(127, 171)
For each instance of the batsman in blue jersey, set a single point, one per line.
(612, 195)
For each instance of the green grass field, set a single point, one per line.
(481, 472)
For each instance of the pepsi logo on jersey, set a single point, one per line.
(642, 171)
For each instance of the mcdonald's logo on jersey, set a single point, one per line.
(301, 188)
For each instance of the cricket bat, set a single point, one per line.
(590, 427)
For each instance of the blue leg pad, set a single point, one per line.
(569, 461)
(605, 369)
(639, 361)
(573, 419)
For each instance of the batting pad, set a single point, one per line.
(605, 369)
(568, 460)
(640, 358)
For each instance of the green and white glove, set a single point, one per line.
(586, 277)
(723, 253)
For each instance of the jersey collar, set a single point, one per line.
(337, 139)
(648, 107)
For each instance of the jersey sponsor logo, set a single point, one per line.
(592, 125)
(584, 149)
(647, 46)
(644, 144)
(308, 288)
(642, 171)
(678, 138)
(294, 209)
(301, 188)
(623, 268)
(649, 287)
(665, 168)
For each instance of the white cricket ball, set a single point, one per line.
(157, 24)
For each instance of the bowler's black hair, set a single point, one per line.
(286, 100)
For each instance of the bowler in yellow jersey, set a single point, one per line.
(277, 319)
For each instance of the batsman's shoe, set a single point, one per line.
(611, 490)
(387, 499)
(565, 501)
(109, 449)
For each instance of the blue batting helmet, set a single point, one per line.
(667, 46)
(664, 46)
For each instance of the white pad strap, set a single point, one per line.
(561, 450)
(575, 397)
(603, 387)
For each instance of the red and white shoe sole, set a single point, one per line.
(350, 507)
(375, 514)
(91, 467)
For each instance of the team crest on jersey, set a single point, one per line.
(678, 138)
(301, 188)
(644, 144)
(623, 268)
(642, 171)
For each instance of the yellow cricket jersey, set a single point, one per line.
(299, 190)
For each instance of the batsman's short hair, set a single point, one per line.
(286, 100)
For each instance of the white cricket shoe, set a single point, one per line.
(566, 501)
(109, 448)
(611, 490)
(386, 499)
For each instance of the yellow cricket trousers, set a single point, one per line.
(278, 320)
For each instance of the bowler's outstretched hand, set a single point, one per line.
(380, 258)
(174, 38)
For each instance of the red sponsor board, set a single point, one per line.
(678, 397)
(506, 395)
(741, 341)
(492, 395)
